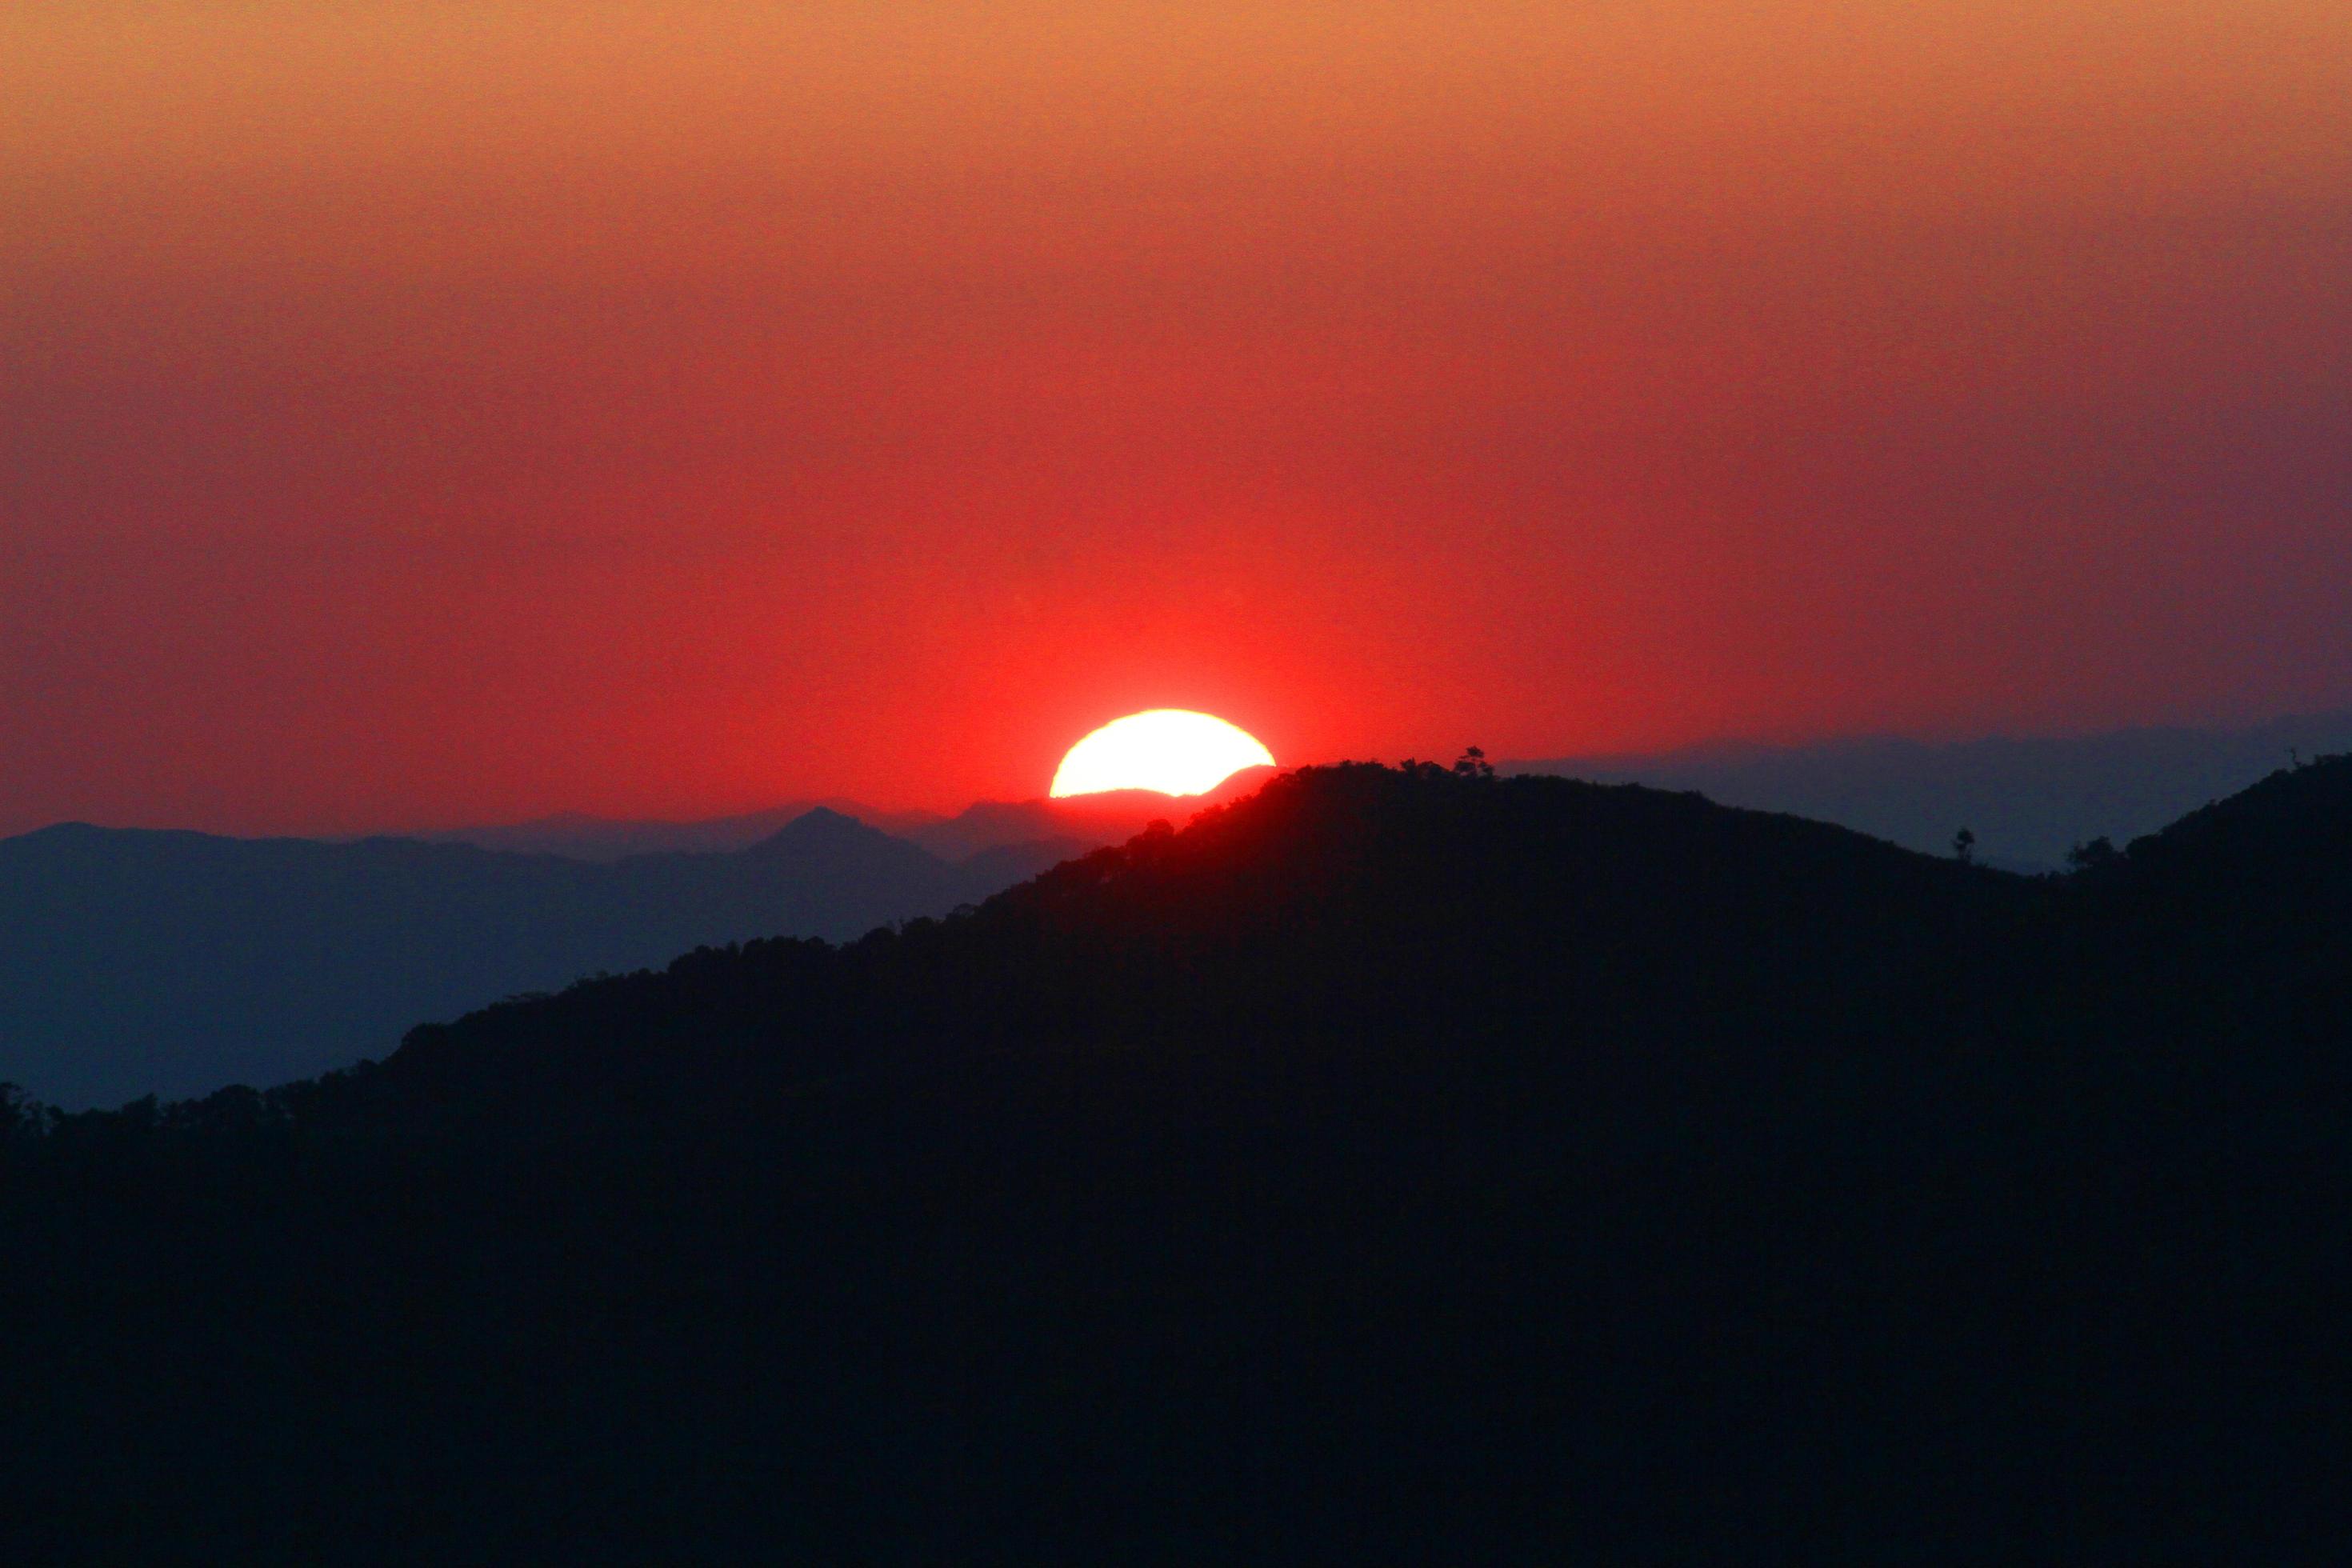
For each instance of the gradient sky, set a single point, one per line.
(417, 412)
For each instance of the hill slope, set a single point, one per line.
(1385, 1169)
(136, 962)
(1091, 821)
(2027, 800)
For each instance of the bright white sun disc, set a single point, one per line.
(1166, 749)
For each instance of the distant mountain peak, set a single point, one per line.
(822, 825)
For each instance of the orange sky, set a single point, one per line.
(416, 413)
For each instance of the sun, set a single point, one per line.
(1165, 749)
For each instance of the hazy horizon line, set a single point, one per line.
(1718, 747)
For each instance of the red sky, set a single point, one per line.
(415, 413)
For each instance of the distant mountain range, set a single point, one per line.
(2027, 801)
(1079, 824)
(135, 962)
(579, 837)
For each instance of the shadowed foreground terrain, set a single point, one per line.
(1390, 1167)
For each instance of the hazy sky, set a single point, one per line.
(414, 411)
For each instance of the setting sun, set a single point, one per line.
(1165, 749)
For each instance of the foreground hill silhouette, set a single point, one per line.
(135, 963)
(1390, 1167)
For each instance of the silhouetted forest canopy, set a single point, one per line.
(1395, 1165)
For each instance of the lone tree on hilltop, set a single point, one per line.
(2099, 851)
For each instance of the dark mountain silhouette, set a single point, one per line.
(2029, 801)
(1389, 1167)
(136, 962)
(1112, 816)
